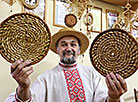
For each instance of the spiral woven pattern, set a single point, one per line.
(116, 51)
(70, 20)
(24, 36)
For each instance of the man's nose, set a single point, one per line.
(69, 48)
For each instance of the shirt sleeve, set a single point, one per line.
(39, 89)
(38, 92)
(100, 91)
(18, 99)
(14, 98)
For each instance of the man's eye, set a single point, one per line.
(63, 45)
(73, 44)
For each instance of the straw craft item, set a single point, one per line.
(30, 4)
(116, 51)
(70, 20)
(24, 36)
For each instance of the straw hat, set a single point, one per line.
(66, 31)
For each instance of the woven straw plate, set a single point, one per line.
(70, 20)
(25, 36)
(116, 51)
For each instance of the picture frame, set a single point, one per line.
(40, 10)
(111, 18)
(59, 12)
(97, 19)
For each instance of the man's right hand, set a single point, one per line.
(21, 71)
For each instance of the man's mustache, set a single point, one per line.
(68, 52)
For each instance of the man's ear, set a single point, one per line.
(79, 51)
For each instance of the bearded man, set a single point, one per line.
(68, 81)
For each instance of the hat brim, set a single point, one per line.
(84, 41)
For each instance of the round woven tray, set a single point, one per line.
(70, 20)
(24, 36)
(116, 51)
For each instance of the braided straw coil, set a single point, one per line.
(70, 20)
(25, 36)
(116, 51)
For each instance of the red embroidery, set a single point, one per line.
(74, 85)
(17, 99)
(21, 101)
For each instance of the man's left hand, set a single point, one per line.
(116, 87)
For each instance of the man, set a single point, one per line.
(68, 81)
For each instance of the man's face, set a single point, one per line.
(68, 49)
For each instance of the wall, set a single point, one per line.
(8, 85)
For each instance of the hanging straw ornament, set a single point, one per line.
(88, 21)
(78, 6)
(120, 23)
(134, 21)
(128, 15)
(125, 20)
(10, 2)
(30, 4)
(70, 20)
(128, 12)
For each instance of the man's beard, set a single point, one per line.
(68, 60)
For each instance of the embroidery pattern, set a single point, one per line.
(74, 85)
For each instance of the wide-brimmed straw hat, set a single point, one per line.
(66, 31)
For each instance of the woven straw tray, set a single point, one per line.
(116, 51)
(25, 36)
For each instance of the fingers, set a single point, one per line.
(25, 72)
(21, 69)
(15, 64)
(19, 65)
(116, 84)
(110, 83)
(28, 73)
(122, 82)
(22, 65)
